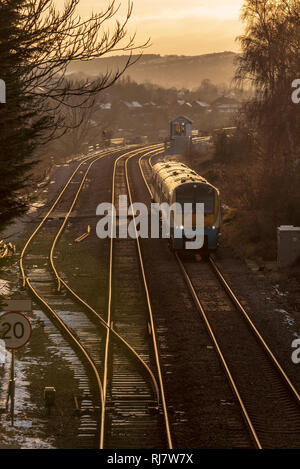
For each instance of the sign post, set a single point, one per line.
(12, 388)
(15, 330)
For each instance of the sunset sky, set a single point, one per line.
(187, 27)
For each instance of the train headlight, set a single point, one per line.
(181, 227)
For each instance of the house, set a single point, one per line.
(226, 104)
(132, 104)
(105, 106)
(202, 104)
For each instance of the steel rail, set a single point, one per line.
(242, 310)
(255, 331)
(75, 341)
(105, 324)
(27, 282)
(153, 333)
(257, 334)
(48, 214)
(143, 175)
(199, 306)
(69, 213)
(150, 161)
(233, 385)
(110, 289)
(66, 219)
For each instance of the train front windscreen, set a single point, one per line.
(197, 193)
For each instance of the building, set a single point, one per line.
(226, 104)
(180, 136)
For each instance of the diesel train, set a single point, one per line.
(174, 182)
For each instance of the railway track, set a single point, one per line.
(138, 414)
(94, 348)
(110, 415)
(64, 312)
(131, 409)
(268, 400)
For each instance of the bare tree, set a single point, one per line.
(54, 39)
(270, 62)
(86, 124)
(37, 45)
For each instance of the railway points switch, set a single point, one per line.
(288, 245)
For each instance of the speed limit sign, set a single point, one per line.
(15, 330)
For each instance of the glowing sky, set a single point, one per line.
(188, 27)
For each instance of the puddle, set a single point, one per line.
(279, 292)
(35, 206)
(46, 360)
(288, 319)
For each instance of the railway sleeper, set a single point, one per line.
(153, 406)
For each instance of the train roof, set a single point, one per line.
(175, 173)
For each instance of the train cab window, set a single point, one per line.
(198, 193)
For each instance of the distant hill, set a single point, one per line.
(167, 71)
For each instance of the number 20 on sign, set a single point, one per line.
(15, 330)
